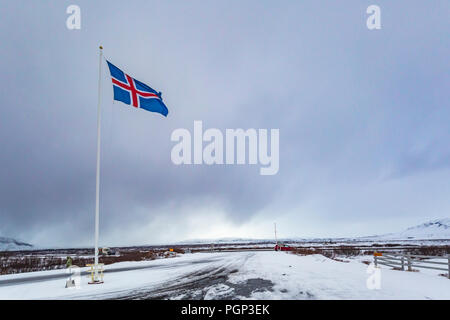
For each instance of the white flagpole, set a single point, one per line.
(276, 240)
(97, 186)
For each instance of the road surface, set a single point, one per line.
(188, 277)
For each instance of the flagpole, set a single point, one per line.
(97, 185)
(276, 240)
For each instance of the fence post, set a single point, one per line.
(403, 261)
(448, 259)
(409, 262)
(375, 258)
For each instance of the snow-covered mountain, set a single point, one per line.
(436, 229)
(227, 240)
(431, 230)
(10, 244)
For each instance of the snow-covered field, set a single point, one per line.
(317, 277)
(236, 275)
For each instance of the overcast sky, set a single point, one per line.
(363, 118)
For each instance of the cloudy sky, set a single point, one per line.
(363, 118)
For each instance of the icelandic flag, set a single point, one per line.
(133, 92)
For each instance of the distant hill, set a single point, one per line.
(10, 244)
(438, 229)
(229, 240)
(431, 230)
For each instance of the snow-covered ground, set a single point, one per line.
(236, 275)
(317, 277)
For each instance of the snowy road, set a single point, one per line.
(235, 275)
(59, 275)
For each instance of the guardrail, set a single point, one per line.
(400, 261)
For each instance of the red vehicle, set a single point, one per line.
(282, 247)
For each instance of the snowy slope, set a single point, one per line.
(435, 229)
(228, 240)
(10, 244)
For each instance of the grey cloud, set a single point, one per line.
(352, 106)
